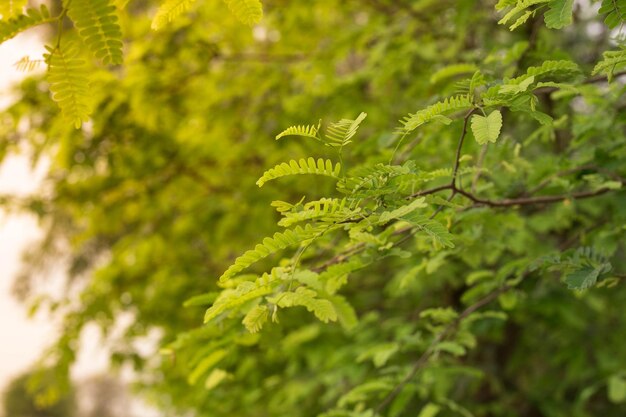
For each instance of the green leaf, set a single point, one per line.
(97, 25)
(615, 11)
(452, 348)
(170, 10)
(323, 309)
(216, 377)
(345, 312)
(248, 12)
(519, 7)
(487, 129)
(245, 292)
(340, 134)
(616, 389)
(201, 300)
(611, 62)
(270, 245)
(433, 112)
(67, 75)
(429, 410)
(559, 14)
(387, 216)
(308, 131)
(205, 364)
(450, 71)
(364, 391)
(432, 228)
(11, 25)
(303, 166)
(379, 354)
(256, 318)
(583, 278)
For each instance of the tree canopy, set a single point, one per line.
(334, 208)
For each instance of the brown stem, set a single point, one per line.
(459, 148)
(547, 199)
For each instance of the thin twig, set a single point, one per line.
(459, 148)
(425, 356)
(524, 201)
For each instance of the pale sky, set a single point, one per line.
(23, 339)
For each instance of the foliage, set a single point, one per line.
(19, 399)
(467, 260)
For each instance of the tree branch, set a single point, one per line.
(457, 159)
(426, 355)
(524, 201)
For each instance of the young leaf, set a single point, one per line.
(11, 26)
(97, 24)
(303, 166)
(270, 245)
(307, 131)
(256, 318)
(487, 129)
(433, 112)
(340, 134)
(67, 75)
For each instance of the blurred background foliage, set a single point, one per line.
(149, 202)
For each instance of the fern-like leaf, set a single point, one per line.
(327, 210)
(10, 8)
(519, 7)
(69, 84)
(304, 166)
(451, 71)
(559, 14)
(615, 11)
(17, 24)
(432, 228)
(611, 62)
(305, 297)
(256, 318)
(26, 64)
(169, 11)
(336, 276)
(248, 12)
(345, 312)
(369, 178)
(436, 111)
(232, 298)
(554, 70)
(522, 19)
(271, 245)
(387, 216)
(97, 24)
(309, 131)
(340, 134)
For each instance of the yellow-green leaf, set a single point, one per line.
(487, 129)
